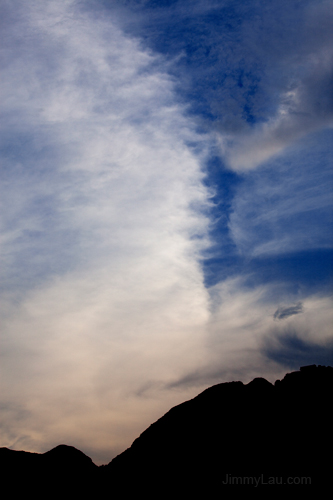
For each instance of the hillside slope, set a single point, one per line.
(232, 435)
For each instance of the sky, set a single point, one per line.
(166, 221)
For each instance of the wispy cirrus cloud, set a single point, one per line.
(112, 115)
(247, 335)
(283, 312)
(286, 207)
(259, 74)
(289, 95)
(305, 107)
(103, 224)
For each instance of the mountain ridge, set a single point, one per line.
(232, 429)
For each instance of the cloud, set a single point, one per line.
(245, 341)
(286, 206)
(259, 75)
(104, 223)
(303, 88)
(292, 351)
(107, 321)
(283, 312)
(303, 110)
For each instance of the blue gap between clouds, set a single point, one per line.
(307, 269)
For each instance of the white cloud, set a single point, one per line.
(297, 75)
(104, 211)
(243, 333)
(103, 225)
(286, 206)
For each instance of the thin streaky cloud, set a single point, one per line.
(101, 247)
(166, 208)
(285, 311)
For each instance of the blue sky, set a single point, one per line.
(166, 189)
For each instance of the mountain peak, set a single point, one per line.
(229, 430)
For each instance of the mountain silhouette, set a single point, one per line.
(231, 436)
(63, 470)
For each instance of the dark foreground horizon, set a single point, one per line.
(232, 435)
